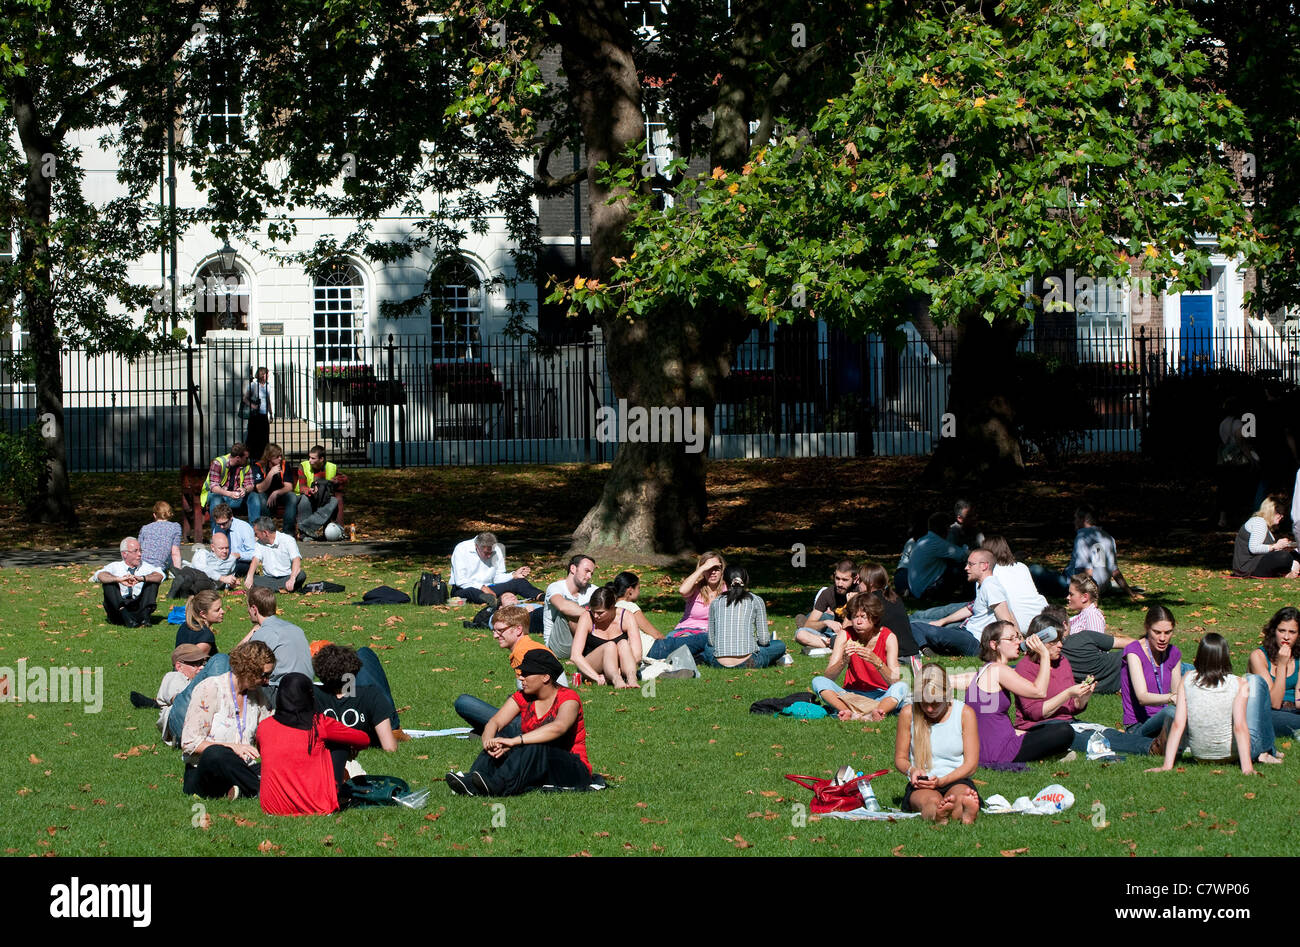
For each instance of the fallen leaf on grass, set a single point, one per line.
(582, 854)
(739, 842)
(1250, 795)
(34, 759)
(1013, 852)
(266, 845)
(646, 820)
(643, 805)
(656, 848)
(600, 835)
(768, 793)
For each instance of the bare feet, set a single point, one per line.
(1270, 758)
(944, 811)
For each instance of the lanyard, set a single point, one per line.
(239, 720)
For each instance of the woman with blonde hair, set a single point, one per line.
(699, 589)
(202, 611)
(160, 541)
(937, 747)
(1260, 554)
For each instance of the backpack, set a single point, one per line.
(483, 619)
(430, 590)
(364, 791)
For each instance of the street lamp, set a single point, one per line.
(226, 256)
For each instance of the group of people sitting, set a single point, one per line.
(307, 496)
(252, 722)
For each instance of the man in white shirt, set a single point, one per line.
(130, 586)
(959, 633)
(566, 606)
(278, 555)
(216, 562)
(478, 572)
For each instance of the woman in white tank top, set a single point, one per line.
(1223, 716)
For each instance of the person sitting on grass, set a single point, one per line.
(187, 661)
(699, 591)
(937, 747)
(654, 643)
(1223, 716)
(160, 540)
(341, 696)
(1001, 747)
(550, 749)
(220, 733)
(820, 626)
(738, 632)
(1258, 553)
(298, 777)
(608, 650)
(202, 611)
(1275, 663)
(874, 580)
(510, 629)
(130, 586)
(870, 652)
(1090, 649)
(1150, 678)
(1065, 699)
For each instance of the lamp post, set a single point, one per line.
(226, 255)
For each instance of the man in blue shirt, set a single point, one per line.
(243, 543)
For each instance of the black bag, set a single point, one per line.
(369, 790)
(774, 705)
(189, 581)
(383, 595)
(323, 587)
(481, 620)
(430, 590)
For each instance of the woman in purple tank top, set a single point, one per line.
(989, 694)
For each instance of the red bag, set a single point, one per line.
(827, 798)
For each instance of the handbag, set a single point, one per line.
(243, 411)
(830, 797)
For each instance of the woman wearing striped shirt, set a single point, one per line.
(738, 632)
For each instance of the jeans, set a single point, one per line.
(764, 656)
(477, 713)
(532, 766)
(666, 646)
(901, 691)
(521, 587)
(1259, 717)
(939, 611)
(945, 639)
(1285, 722)
(1151, 727)
(1121, 742)
(372, 674)
(252, 502)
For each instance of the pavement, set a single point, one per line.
(436, 551)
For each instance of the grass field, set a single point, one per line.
(691, 772)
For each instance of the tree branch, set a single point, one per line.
(547, 184)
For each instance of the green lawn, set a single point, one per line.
(691, 771)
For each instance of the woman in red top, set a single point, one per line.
(870, 651)
(550, 753)
(297, 772)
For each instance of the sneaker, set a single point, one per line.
(1158, 744)
(143, 700)
(786, 661)
(816, 652)
(459, 785)
(233, 794)
(480, 784)
(929, 652)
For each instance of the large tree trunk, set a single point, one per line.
(53, 502)
(978, 435)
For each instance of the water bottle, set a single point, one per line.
(869, 800)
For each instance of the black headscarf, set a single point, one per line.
(295, 705)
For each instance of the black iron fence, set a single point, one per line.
(400, 402)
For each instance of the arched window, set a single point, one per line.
(456, 310)
(221, 300)
(339, 313)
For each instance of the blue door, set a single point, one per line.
(1195, 343)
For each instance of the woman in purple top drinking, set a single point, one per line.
(699, 589)
(989, 695)
(1150, 678)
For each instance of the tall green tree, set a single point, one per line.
(448, 111)
(73, 70)
(978, 151)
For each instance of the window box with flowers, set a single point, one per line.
(335, 382)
